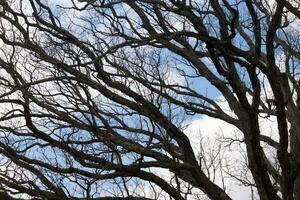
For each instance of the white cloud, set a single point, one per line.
(211, 130)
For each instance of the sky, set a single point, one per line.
(210, 129)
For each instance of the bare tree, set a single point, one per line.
(96, 95)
